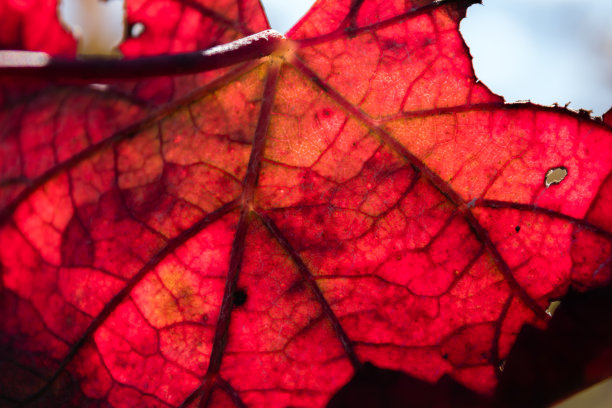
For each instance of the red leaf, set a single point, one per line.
(33, 25)
(253, 233)
(186, 26)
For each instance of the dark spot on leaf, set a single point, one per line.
(240, 297)
(517, 228)
(297, 288)
(327, 112)
(555, 176)
(391, 44)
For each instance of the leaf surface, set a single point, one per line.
(33, 25)
(251, 235)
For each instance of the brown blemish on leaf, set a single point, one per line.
(555, 176)
(552, 307)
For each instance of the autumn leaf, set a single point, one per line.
(229, 216)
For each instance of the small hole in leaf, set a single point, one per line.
(240, 297)
(135, 30)
(555, 176)
(517, 228)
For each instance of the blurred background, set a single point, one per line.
(546, 51)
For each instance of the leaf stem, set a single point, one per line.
(40, 65)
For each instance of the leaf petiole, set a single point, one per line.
(42, 65)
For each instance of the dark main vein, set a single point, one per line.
(168, 249)
(436, 181)
(498, 204)
(25, 63)
(487, 106)
(231, 392)
(310, 281)
(117, 137)
(237, 252)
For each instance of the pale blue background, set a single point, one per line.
(545, 51)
